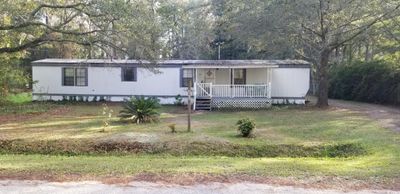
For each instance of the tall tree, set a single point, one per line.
(317, 28)
(103, 24)
(187, 29)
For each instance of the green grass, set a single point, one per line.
(20, 98)
(361, 168)
(287, 126)
(21, 103)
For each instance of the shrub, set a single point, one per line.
(245, 127)
(374, 81)
(140, 110)
(178, 100)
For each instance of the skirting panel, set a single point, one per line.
(240, 103)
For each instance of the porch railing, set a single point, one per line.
(232, 91)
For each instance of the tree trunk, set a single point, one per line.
(322, 72)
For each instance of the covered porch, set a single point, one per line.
(236, 86)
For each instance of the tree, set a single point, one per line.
(102, 24)
(314, 29)
(11, 75)
(73, 29)
(187, 29)
(323, 26)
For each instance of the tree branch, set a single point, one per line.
(337, 44)
(41, 6)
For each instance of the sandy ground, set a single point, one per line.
(39, 187)
(387, 116)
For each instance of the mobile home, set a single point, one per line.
(214, 83)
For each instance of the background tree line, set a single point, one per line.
(330, 34)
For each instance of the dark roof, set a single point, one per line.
(185, 63)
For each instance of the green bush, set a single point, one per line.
(245, 126)
(375, 81)
(140, 110)
(178, 100)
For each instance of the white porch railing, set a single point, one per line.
(203, 89)
(232, 91)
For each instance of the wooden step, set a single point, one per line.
(203, 108)
(203, 104)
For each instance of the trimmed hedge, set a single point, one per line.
(374, 81)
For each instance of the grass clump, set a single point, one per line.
(172, 127)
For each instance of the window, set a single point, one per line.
(69, 77)
(128, 74)
(187, 76)
(75, 77)
(239, 76)
(81, 77)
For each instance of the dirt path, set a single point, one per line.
(388, 116)
(38, 187)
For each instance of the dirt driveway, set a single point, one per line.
(387, 116)
(39, 187)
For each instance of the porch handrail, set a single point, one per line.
(203, 89)
(233, 91)
(239, 91)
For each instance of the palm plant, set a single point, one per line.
(140, 110)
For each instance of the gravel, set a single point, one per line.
(87, 187)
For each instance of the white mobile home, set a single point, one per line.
(216, 83)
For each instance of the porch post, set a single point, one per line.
(233, 82)
(195, 89)
(269, 79)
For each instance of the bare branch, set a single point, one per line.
(337, 44)
(41, 6)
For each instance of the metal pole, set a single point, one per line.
(219, 51)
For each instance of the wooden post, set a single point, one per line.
(233, 84)
(189, 105)
(195, 90)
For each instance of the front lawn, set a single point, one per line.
(288, 142)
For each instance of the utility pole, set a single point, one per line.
(219, 49)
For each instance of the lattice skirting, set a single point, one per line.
(240, 103)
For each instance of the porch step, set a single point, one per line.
(203, 104)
